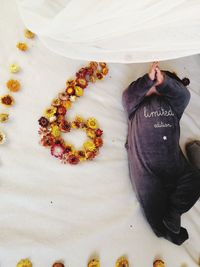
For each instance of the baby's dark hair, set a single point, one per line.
(185, 81)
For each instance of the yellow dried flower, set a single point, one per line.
(67, 104)
(14, 68)
(22, 46)
(78, 91)
(4, 117)
(79, 119)
(55, 131)
(90, 133)
(24, 263)
(92, 123)
(74, 125)
(94, 263)
(2, 138)
(13, 85)
(122, 262)
(89, 145)
(158, 263)
(49, 112)
(29, 34)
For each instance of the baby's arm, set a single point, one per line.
(135, 93)
(176, 93)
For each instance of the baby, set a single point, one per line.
(166, 184)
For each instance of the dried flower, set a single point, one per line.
(122, 262)
(56, 102)
(90, 133)
(89, 145)
(14, 68)
(55, 131)
(78, 91)
(158, 263)
(99, 75)
(57, 150)
(73, 159)
(52, 119)
(98, 142)
(4, 117)
(93, 65)
(13, 85)
(72, 98)
(7, 100)
(28, 34)
(94, 263)
(67, 104)
(43, 122)
(47, 140)
(22, 46)
(70, 90)
(92, 123)
(104, 71)
(63, 96)
(65, 126)
(49, 112)
(98, 132)
(24, 263)
(2, 138)
(61, 110)
(58, 264)
(81, 155)
(70, 82)
(81, 82)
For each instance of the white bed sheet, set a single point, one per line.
(50, 211)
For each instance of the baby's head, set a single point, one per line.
(185, 81)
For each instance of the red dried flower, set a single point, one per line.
(47, 140)
(57, 150)
(81, 73)
(70, 90)
(61, 110)
(99, 75)
(98, 141)
(98, 132)
(90, 155)
(72, 159)
(43, 122)
(65, 126)
(81, 82)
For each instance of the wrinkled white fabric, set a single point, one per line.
(116, 31)
(49, 211)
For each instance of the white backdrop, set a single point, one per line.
(116, 31)
(49, 211)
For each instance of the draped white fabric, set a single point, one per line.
(116, 30)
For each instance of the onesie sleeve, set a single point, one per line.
(176, 93)
(134, 94)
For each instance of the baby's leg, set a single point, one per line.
(187, 191)
(154, 202)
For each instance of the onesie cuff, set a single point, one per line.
(161, 88)
(148, 81)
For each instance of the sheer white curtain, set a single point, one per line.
(123, 31)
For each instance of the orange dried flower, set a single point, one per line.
(13, 85)
(22, 46)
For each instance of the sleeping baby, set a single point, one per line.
(166, 184)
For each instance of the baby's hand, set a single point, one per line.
(159, 77)
(152, 71)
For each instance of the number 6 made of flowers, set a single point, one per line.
(53, 123)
